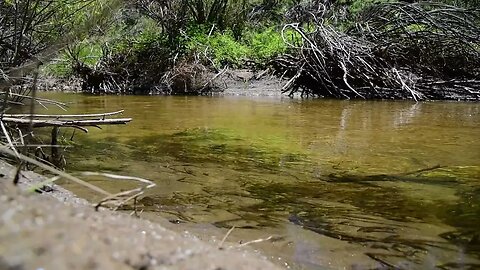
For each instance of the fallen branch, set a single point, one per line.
(65, 123)
(62, 116)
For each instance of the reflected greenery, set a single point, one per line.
(211, 146)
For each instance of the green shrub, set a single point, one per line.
(228, 50)
(59, 68)
(222, 48)
(259, 46)
(266, 44)
(88, 52)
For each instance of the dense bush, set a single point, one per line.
(222, 48)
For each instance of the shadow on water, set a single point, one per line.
(210, 146)
(357, 210)
(375, 212)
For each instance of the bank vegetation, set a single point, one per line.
(324, 48)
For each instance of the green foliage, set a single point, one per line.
(149, 34)
(145, 36)
(36, 27)
(357, 6)
(120, 38)
(266, 44)
(88, 52)
(227, 50)
(59, 68)
(222, 48)
(124, 35)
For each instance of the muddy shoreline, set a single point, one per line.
(238, 82)
(57, 230)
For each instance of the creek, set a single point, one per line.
(340, 184)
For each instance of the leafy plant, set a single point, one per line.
(265, 45)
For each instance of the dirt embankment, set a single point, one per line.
(235, 82)
(57, 230)
(244, 82)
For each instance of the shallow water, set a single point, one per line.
(340, 184)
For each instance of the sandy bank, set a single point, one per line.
(57, 230)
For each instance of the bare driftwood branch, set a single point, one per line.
(62, 116)
(65, 123)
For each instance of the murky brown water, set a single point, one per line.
(339, 182)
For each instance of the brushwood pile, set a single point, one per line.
(419, 51)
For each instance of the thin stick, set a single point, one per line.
(55, 171)
(137, 191)
(149, 183)
(32, 103)
(42, 145)
(128, 199)
(225, 237)
(49, 101)
(214, 77)
(116, 196)
(255, 241)
(21, 136)
(421, 170)
(9, 140)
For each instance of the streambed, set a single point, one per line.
(341, 184)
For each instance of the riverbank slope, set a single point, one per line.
(56, 230)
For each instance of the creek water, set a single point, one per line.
(339, 184)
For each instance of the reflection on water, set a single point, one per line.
(360, 185)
